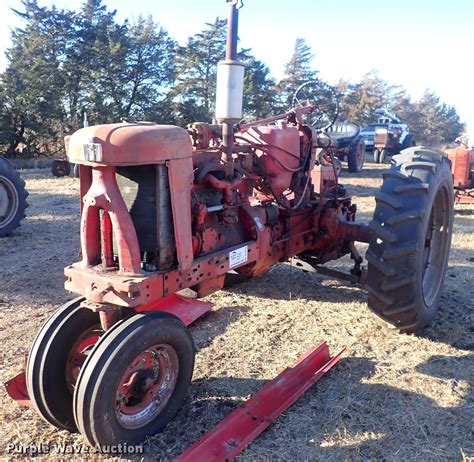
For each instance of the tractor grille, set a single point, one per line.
(380, 138)
(145, 190)
(138, 187)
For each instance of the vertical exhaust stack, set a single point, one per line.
(230, 86)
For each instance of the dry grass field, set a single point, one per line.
(392, 396)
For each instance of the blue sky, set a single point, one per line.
(418, 44)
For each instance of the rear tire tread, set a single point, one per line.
(394, 272)
(389, 200)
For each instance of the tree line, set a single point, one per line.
(63, 64)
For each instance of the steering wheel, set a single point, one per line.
(324, 99)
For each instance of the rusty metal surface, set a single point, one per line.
(164, 220)
(140, 143)
(133, 291)
(462, 166)
(242, 426)
(329, 272)
(180, 173)
(185, 308)
(279, 152)
(16, 389)
(104, 194)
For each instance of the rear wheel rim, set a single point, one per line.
(436, 246)
(146, 386)
(9, 201)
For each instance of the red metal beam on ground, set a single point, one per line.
(16, 388)
(238, 429)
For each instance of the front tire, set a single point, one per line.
(412, 229)
(135, 381)
(56, 354)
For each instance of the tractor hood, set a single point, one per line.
(123, 144)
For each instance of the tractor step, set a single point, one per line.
(241, 427)
(186, 309)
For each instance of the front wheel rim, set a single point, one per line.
(79, 352)
(436, 246)
(146, 386)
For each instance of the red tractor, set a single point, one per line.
(462, 168)
(165, 209)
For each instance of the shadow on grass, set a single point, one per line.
(401, 424)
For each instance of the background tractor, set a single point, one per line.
(350, 145)
(12, 198)
(461, 155)
(166, 209)
(390, 136)
(347, 143)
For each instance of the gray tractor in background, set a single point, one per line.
(350, 145)
(388, 136)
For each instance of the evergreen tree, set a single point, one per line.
(260, 99)
(438, 123)
(100, 48)
(150, 69)
(63, 63)
(31, 87)
(358, 102)
(297, 71)
(196, 66)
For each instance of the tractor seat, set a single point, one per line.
(343, 134)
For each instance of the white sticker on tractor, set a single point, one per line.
(237, 257)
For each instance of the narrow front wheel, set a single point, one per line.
(55, 358)
(135, 381)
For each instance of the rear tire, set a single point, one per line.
(409, 141)
(135, 381)
(355, 156)
(12, 198)
(412, 229)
